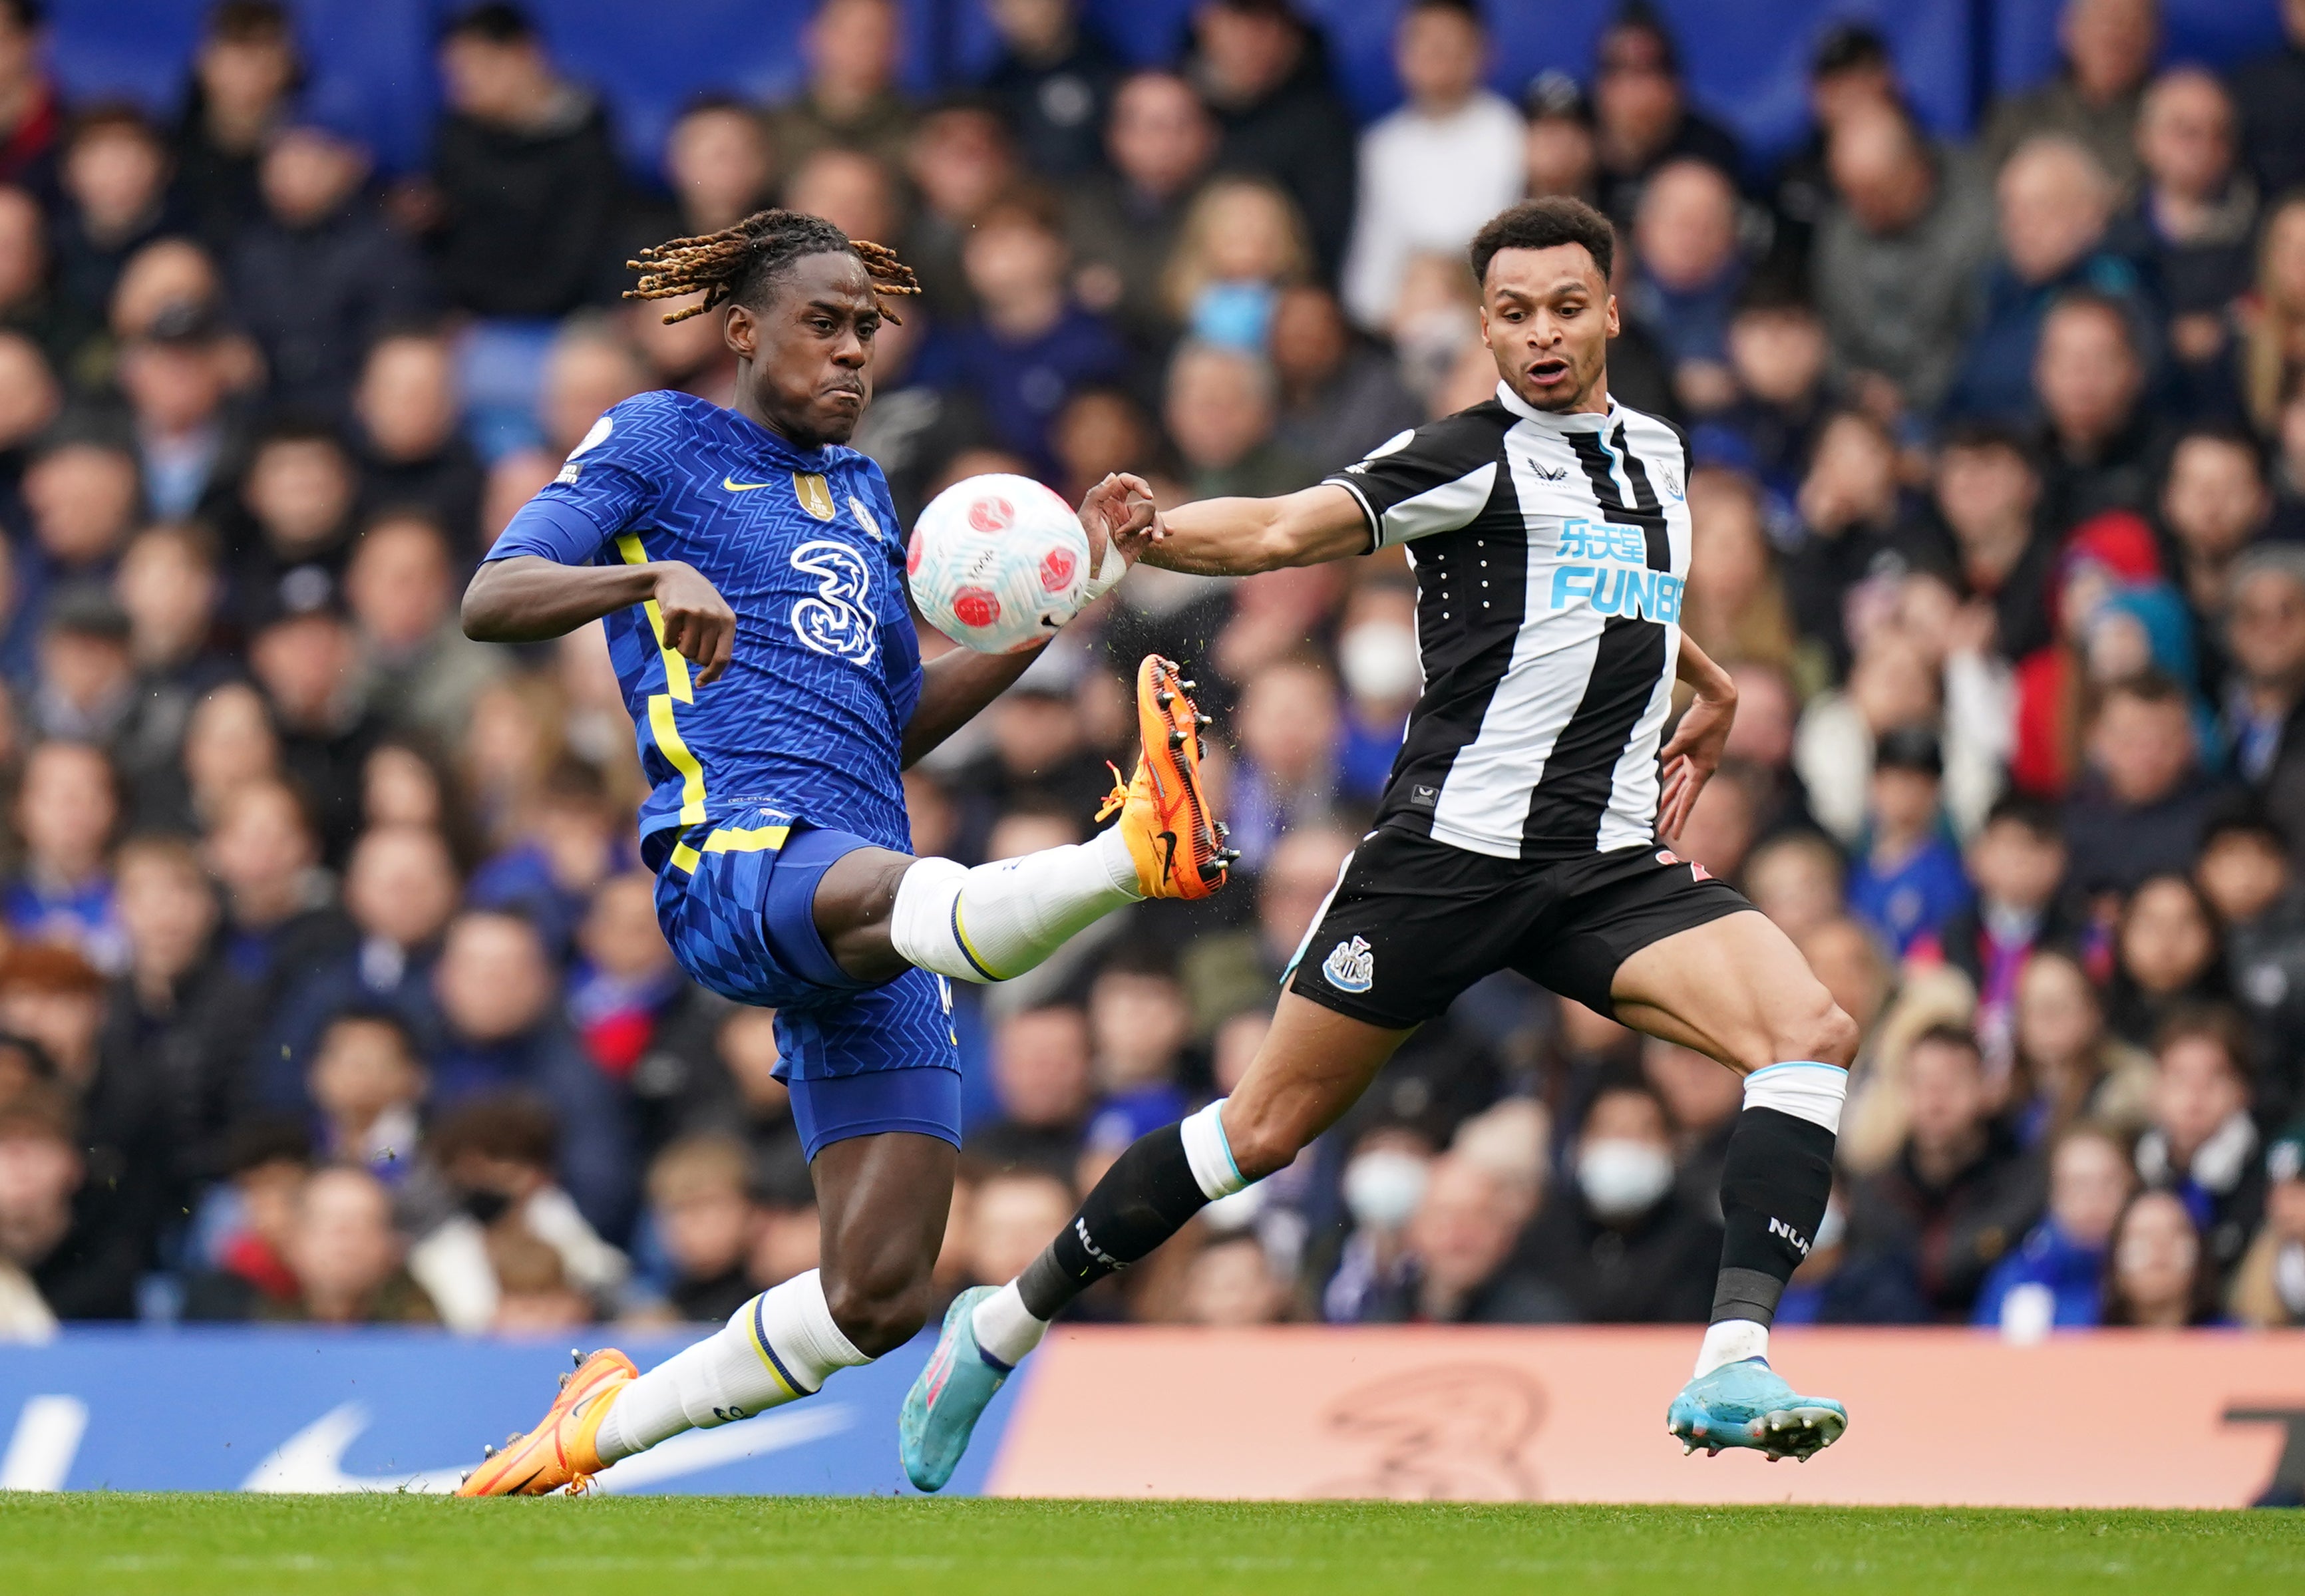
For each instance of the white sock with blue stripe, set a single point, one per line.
(779, 1347)
(997, 921)
(1210, 1153)
(1803, 1088)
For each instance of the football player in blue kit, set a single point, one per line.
(750, 572)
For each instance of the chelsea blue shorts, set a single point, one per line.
(736, 902)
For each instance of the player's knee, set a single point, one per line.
(879, 1311)
(854, 912)
(1262, 1142)
(1818, 1029)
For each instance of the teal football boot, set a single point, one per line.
(941, 1409)
(1748, 1403)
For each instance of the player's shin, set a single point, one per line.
(1773, 1189)
(997, 921)
(1148, 1195)
(778, 1347)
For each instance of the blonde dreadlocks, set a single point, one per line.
(733, 263)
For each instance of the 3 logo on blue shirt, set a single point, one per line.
(836, 619)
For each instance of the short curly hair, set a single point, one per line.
(1542, 225)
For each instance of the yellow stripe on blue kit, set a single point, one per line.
(747, 839)
(675, 666)
(692, 773)
(730, 839)
(661, 725)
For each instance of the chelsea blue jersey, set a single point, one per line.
(809, 718)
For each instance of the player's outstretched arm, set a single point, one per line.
(1694, 753)
(1239, 537)
(527, 598)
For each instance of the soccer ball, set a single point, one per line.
(998, 562)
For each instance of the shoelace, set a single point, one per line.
(1118, 797)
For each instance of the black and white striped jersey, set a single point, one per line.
(1550, 552)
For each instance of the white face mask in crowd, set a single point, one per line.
(1384, 1186)
(1379, 661)
(1621, 1177)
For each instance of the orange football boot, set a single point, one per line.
(1177, 847)
(559, 1451)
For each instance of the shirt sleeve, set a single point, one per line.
(1436, 478)
(563, 533)
(610, 481)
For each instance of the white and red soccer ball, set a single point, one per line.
(998, 562)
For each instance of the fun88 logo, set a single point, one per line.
(836, 619)
(1618, 581)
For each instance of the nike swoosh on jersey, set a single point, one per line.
(733, 486)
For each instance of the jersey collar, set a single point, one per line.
(1583, 421)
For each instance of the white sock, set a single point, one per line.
(997, 921)
(1732, 1341)
(1803, 1087)
(1005, 1327)
(778, 1347)
(1210, 1154)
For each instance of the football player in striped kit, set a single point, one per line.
(1525, 826)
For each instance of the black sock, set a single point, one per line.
(1774, 1187)
(1145, 1198)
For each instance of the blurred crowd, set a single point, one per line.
(332, 988)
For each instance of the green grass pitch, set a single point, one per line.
(351, 1546)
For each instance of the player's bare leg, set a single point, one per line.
(1735, 989)
(1313, 1065)
(881, 1202)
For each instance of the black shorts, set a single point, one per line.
(1413, 922)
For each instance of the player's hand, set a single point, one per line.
(1691, 758)
(697, 621)
(1117, 511)
(1118, 516)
